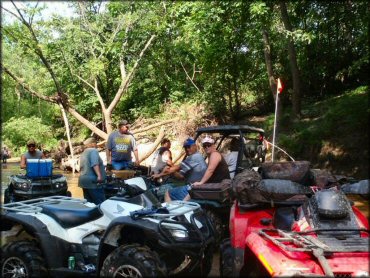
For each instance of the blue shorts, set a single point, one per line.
(179, 193)
(121, 165)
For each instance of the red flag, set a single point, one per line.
(279, 86)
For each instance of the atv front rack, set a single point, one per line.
(34, 205)
(303, 242)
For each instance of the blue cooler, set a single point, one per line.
(39, 168)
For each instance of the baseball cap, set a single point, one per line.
(189, 142)
(123, 122)
(31, 142)
(208, 139)
(89, 141)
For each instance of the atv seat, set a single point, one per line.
(71, 214)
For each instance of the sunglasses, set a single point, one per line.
(31, 145)
(206, 145)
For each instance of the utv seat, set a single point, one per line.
(295, 171)
(71, 214)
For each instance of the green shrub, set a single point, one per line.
(17, 131)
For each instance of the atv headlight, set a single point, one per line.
(179, 233)
(60, 185)
(23, 186)
(361, 273)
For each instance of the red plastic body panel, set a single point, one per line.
(244, 227)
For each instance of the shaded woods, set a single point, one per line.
(152, 62)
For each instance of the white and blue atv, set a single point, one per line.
(132, 235)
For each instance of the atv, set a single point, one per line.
(117, 182)
(38, 181)
(127, 235)
(292, 227)
(215, 199)
(22, 187)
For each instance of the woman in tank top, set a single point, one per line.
(217, 169)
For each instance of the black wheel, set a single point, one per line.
(217, 225)
(133, 261)
(22, 259)
(226, 258)
(68, 194)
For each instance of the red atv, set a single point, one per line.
(280, 227)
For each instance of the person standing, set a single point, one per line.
(162, 157)
(92, 173)
(32, 153)
(120, 144)
(4, 154)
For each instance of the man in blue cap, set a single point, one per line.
(192, 169)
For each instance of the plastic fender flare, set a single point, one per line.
(113, 232)
(33, 226)
(253, 244)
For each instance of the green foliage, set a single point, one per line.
(206, 52)
(17, 131)
(324, 121)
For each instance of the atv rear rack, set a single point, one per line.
(303, 242)
(34, 205)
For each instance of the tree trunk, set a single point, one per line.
(66, 124)
(296, 97)
(268, 61)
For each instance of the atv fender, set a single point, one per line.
(142, 229)
(52, 248)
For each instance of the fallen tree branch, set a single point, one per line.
(154, 145)
(153, 126)
(181, 155)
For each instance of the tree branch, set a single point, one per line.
(70, 109)
(27, 87)
(126, 82)
(153, 126)
(191, 80)
(154, 145)
(38, 50)
(16, 16)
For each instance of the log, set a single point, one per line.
(154, 126)
(154, 145)
(142, 130)
(180, 156)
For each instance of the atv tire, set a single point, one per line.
(226, 258)
(22, 259)
(217, 225)
(134, 261)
